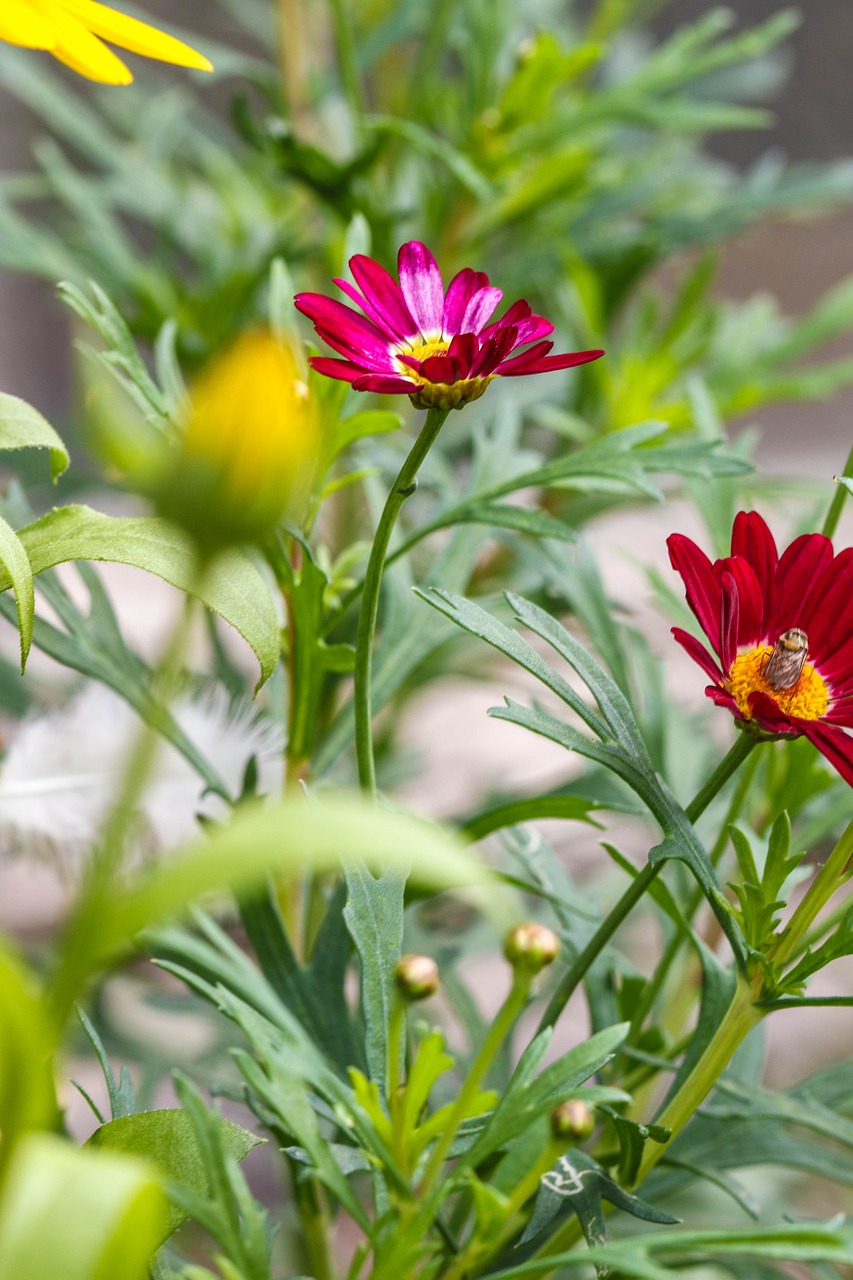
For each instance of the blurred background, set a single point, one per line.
(808, 87)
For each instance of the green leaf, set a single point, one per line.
(15, 564)
(231, 587)
(578, 1184)
(505, 515)
(525, 1099)
(632, 1138)
(618, 744)
(639, 1257)
(288, 837)
(567, 807)
(23, 427)
(374, 918)
(121, 1093)
(81, 1215)
(167, 1139)
(27, 1043)
(315, 996)
(370, 422)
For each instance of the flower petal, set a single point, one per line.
(384, 384)
(729, 618)
(702, 587)
(834, 744)
(547, 364)
(800, 566)
(464, 286)
(85, 53)
(752, 540)
(750, 606)
(420, 280)
(345, 330)
(768, 715)
(21, 24)
(383, 296)
(697, 651)
(493, 352)
(722, 698)
(479, 308)
(827, 616)
(137, 37)
(343, 370)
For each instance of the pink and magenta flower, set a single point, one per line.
(781, 632)
(440, 347)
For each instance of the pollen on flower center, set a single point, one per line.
(808, 699)
(423, 350)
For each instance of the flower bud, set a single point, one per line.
(531, 947)
(250, 435)
(572, 1121)
(416, 977)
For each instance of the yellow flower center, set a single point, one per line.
(439, 395)
(808, 699)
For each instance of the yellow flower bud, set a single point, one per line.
(250, 436)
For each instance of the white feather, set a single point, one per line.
(62, 770)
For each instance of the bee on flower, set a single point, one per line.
(781, 631)
(74, 31)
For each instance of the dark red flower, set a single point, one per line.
(415, 338)
(782, 631)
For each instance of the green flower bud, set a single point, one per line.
(531, 947)
(572, 1121)
(416, 977)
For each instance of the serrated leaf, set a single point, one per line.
(374, 918)
(232, 587)
(579, 1185)
(23, 427)
(524, 1100)
(167, 1140)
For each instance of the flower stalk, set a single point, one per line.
(403, 487)
(739, 751)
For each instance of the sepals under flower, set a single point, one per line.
(747, 603)
(440, 347)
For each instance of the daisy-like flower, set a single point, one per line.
(74, 31)
(782, 631)
(440, 347)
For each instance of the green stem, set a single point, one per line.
(678, 939)
(833, 515)
(404, 486)
(834, 873)
(734, 758)
(497, 1034)
(739, 1019)
(741, 748)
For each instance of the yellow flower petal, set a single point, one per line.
(83, 52)
(135, 36)
(21, 24)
